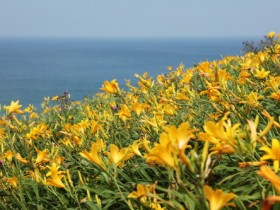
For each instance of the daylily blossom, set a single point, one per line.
(111, 87)
(93, 155)
(261, 74)
(42, 156)
(272, 153)
(14, 108)
(118, 156)
(268, 174)
(21, 159)
(222, 134)
(218, 199)
(13, 181)
(124, 113)
(55, 176)
(271, 34)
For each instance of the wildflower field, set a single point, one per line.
(206, 137)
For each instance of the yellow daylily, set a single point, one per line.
(217, 199)
(163, 153)
(138, 108)
(117, 156)
(272, 153)
(35, 175)
(180, 136)
(261, 74)
(142, 191)
(275, 95)
(56, 181)
(14, 108)
(252, 99)
(42, 156)
(55, 176)
(93, 154)
(144, 81)
(40, 130)
(271, 34)
(268, 174)
(111, 87)
(171, 146)
(9, 155)
(13, 181)
(55, 98)
(21, 159)
(124, 113)
(135, 148)
(222, 134)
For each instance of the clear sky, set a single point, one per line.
(137, 18)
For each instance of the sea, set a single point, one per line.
(34, 68)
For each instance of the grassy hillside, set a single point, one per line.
(198, 138)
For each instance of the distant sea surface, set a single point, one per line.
(32, 68)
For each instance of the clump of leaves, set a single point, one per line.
(269, 40)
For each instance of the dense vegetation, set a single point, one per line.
(198, 138)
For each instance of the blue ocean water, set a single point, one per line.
(31, 68)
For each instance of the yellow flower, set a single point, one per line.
(212, 91)
(217, 199)
(94, 126)
(205, 69)
(222, 76)
(110, 87)
(142, 191)
(53, 169)
(124, 113)
(14, 108)
(261, 74)
(35, 175)
(180, 136)
(117, 156)
(55, 176)
(93, 155)
(135, 148)
(55, 98)
(252, 99)
(186, 77)
(139, 108)
(13, 181)
(221, 134)
(56, 181)
(169, 109)
(271, 34)
(268, 174)
(9, 155)
(275, 96)
(42, 156)
(163, 153)
(144, 81)
(272, 153)
(171, 146)
(21, 159)
(40, 130)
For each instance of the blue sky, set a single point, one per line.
(138, 18)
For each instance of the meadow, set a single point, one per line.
(205, 137)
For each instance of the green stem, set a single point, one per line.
(119, 189)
